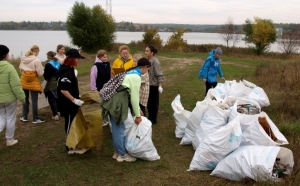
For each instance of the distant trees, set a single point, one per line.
(90, 28)
(229, 33)
(175, 42)
(289, 42)
(151, 37)
(261, 33)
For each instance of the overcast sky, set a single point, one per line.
(159, 11)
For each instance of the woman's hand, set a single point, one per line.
(204, 80)
(138, 120)
(223, 79)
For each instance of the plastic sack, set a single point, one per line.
(193, 122)
(246, 120)
(255, 162)
(213, 119)
(222, 89)
(180, 117)
(256, 135)
(212, 95)
(139, 141)
(86, 128)
(258, 94)
(217, 145)
(238, 89)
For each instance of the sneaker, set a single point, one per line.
(104, 123)
(115, 155)
(78, 151)
(24, 118)
(56, 118)
(11, 142)
(126, 157)
(38, 120)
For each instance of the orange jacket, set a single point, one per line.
(30, 81)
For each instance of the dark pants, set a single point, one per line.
(209, 86)
(34, 102)
(143, 108)
(153, 103)
(52, 102)
(68, 121)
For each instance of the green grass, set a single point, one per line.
(40, 157)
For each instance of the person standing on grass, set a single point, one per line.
(100, 74)
(50, 89)
(144, 90)
(155, 78)
(211, 67)
(31, 68)
(128, 89)
(68, 91)
(123, 62)
(60, 56)
(10, 91)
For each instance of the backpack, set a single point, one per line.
(201, 71)
(110, 88)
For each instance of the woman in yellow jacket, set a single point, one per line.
(123, 62)
(31, 68)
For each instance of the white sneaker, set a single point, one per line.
(56, 118)
(78, 151)
(11, 142)
(104, 123)
(126, 157)
(115, 155)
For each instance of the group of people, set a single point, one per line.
(132, 82)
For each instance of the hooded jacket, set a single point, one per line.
(67, 80)
(121, 63)
(31, 67)
(211, 68)
(10, 87)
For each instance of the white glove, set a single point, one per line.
(160, 89)
(77, 102)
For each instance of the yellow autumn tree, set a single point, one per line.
(175, 42)
(261, 33)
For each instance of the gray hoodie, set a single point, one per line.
(155, 72)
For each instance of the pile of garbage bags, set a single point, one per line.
(232, 136)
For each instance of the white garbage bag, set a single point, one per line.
(128, 122)
(247, 118)
(193, 122)
(256, 135)
(213, 119)
(217, 145)
(222, 89)
(181, 123)
(139, 141)
(258, 94)
(255, 162)
(180, 117)
(238, 89)
(212, 95)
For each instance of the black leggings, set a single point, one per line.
(209, 86)
(153, 104)
(52, 102)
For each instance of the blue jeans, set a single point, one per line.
(118, 136)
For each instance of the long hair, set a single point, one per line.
(59, 47)
(70, 61)
(32, 51)
(152, 49)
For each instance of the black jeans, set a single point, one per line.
(143, 108)
(68, 121)
(209, 86)
(34, 103)
(52, 102)
(153, 104)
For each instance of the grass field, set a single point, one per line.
(40, 157)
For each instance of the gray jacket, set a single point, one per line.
(155, 72)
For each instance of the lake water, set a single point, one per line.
(19, 41)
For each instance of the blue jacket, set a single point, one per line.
(211, 67)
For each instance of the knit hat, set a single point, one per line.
(218, 51)
(74, 53)
(3, 50)
(143, 62)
